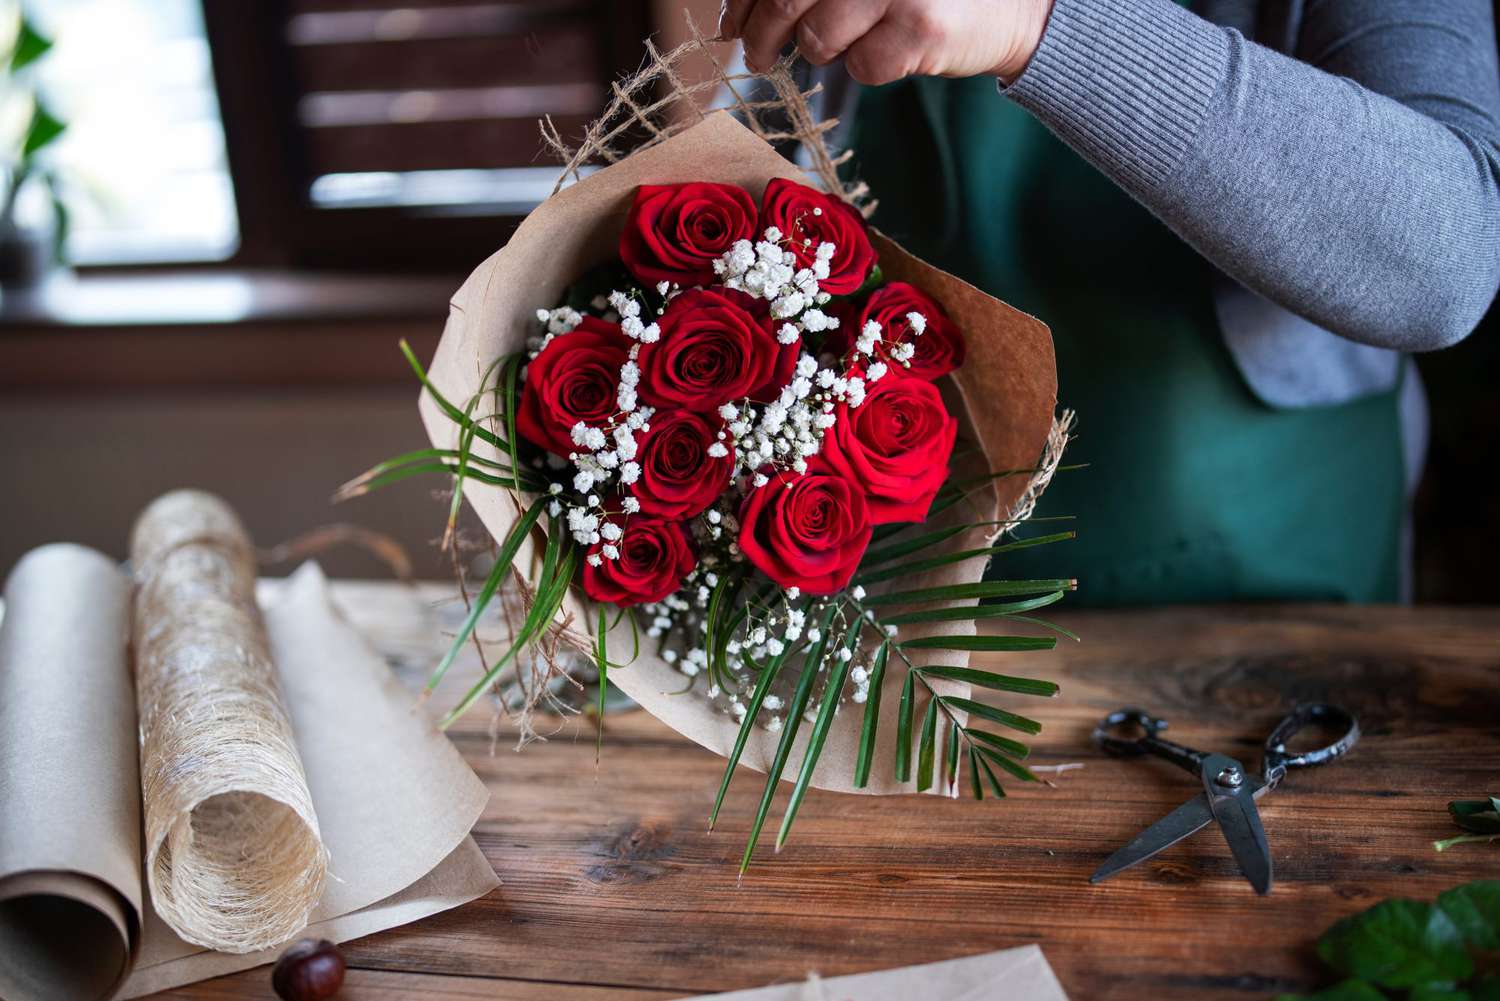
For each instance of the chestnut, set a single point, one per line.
(309, 970)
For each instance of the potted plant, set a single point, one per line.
(27, 251)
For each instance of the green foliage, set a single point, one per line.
(42, 130)
(1480, 817)
(1414, 950)
(30, 46)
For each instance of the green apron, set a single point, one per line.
(1194, 489)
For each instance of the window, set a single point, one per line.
(143, 158)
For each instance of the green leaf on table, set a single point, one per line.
(1349, 990)
(837, 675)
(982, 643)
(1481, 816)
(925, 749)
(872, 718)
(1397, 943)
(30, 46)
(963, 613)
(1018, 770)
(1474, 909)
(752, 712)
(992, 713)
(903, 729)
(989, 679)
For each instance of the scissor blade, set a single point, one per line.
(1240, 821)
(1185, 821)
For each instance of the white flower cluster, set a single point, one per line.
(562, 320)
(767, 271)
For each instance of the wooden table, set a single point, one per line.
(613, 890)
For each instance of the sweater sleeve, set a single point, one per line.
(1357, 185)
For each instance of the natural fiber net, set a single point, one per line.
(233, 857)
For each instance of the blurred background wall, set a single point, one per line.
(255, 200)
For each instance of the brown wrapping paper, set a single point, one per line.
(1007, 394)
(395, 800)
(1023, 972)
(70, 853)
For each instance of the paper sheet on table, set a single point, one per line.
(1023, 972)
(395, 800)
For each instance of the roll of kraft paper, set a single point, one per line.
(234, 860)
(70, 858)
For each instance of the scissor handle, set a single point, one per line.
(1278, 760)
(1148, 743)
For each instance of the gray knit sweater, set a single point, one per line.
(1341, 170)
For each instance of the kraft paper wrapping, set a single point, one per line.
(1006, 394)
(1023, 972)
(394, 799)
(70, 844)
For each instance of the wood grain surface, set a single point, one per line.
(613, 890)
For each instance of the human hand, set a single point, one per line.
(885, 40)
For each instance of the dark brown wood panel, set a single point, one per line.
(610, 879)
(563, 54)
(512, 142)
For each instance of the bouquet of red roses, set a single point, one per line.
(734, 444)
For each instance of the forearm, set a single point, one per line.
(1371, 218)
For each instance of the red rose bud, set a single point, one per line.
(575, 378)
(808, 217)
(809, 531)
(716, 345)
(676, 231)
(680, 474)
(653, 556)
(895, 445)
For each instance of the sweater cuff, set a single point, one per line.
(1127, 83)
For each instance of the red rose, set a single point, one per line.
(679, 479)
(895, 446)
(654, 556)
(810, 534)
(716, 345)
(676, 231)
(575, 378)
(808, 217)
(939, 349)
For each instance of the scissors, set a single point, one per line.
(1229, 792)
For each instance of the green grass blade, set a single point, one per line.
(838, 674)
(453, 413)
(1014, 748)
(601, 658)
(1018, 770)
(963, 555)
(950, 770)
(966, 612)
(988, 644)
(992, 713)
(503, 560)
(872, 718)
(925, 748)
(989, 679)
(752, 712)
(510, 377)
(989, 774)
(794, 712)
(903, 729)
(982, 589)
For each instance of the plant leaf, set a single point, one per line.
(963, 555)
(988, 679)
(30, 46)
(1474, 909)
(1482, 816)
(960, 592)
(794, 712)
(989, 776)
(43, 130)
(1018, 770)
(950, 770)
(925, 748)
(872, 718)
(903, 730)
(752, 711)
(503, 560)
(1014, 748)
(963, 613)
(1397, 943)
(982, 642)
(992, 713)
(601, 660)
(978, 789)
(838, 674)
